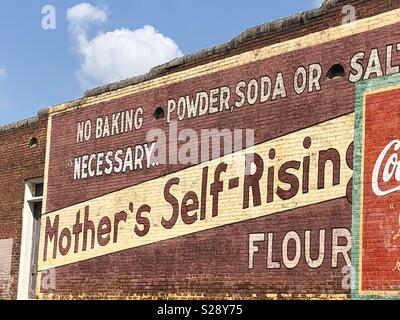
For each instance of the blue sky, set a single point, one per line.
(101, 41)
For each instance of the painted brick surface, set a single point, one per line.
(376, 223)
(164, 230)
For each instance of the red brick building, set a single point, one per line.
(224, 174)
(23, 152)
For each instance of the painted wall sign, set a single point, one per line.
(376, 219)
(206, 196)
(265, 220)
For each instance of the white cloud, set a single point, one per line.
(118, 54)
(2, 72)
(84, 13)
(318, 3)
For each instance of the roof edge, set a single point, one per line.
(18, 124)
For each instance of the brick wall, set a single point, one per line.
(18, 162)
(175, 230)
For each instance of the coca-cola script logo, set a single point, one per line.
(386, 172)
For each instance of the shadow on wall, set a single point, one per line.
(5, 268)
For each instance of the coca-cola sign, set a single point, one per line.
(376, 190)
(387, 170)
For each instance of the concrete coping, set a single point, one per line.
(19, 124)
